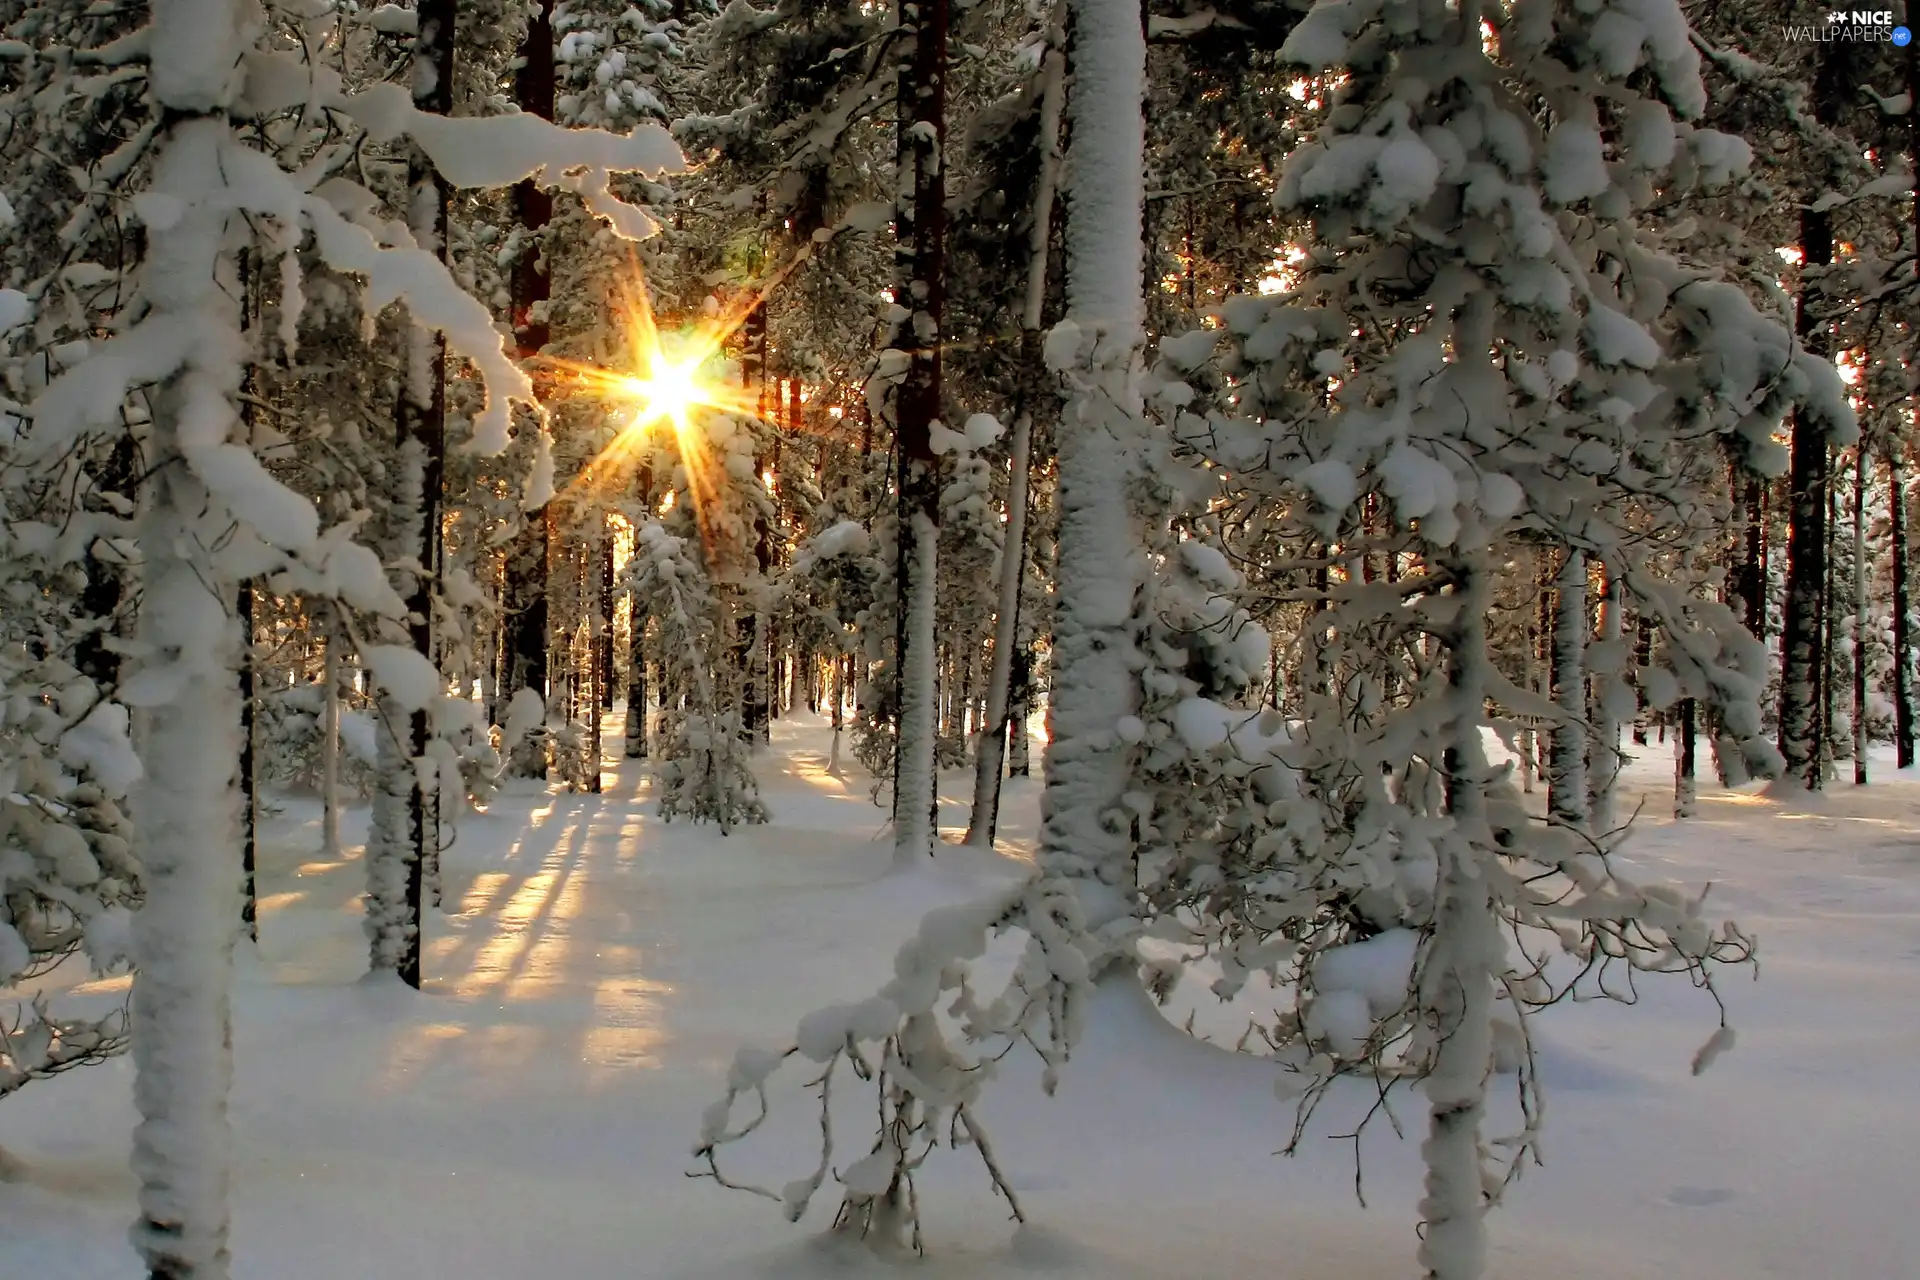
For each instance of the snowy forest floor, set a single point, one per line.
(531, 1112)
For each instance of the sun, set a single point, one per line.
(669, 392)
(669, 376)
(674, 377)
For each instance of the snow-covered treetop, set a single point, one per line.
(1496, 342)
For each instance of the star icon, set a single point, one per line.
(1838, 15)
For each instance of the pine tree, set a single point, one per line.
(1495, 381)
(184, 809)
(215, 515)
(404, 837)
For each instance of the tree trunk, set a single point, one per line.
(183, 809)
(604, 657)
(990, 756)
(104, 593)
(527, 611)
(1685, 790)
(1802, 653)
(423, 420)
(1803, 656)
(1753, 569)
(400, 850)
(1604, 769)
(637, 648)
(1458, 981)
(597, 601)
(1903, 717)
(1088, 768)
(1642, 659)
(920, 285)
(330, 740)
(1860, 614)
(249, 779)
(526, 662)
(1001, 701)
(1527, 740)
(637, 701)
(1830, 632)
(1543, 587)
(1567, 766)
(1019, 711)
(749, 649)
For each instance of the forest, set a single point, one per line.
(1284, 543)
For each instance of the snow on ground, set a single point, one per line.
(531, 1112)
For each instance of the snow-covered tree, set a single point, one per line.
(1078, 911)
(694, 575)
(1491, 335)
(212, 515)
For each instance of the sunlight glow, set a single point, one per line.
(670, 393)
(680, 378)
(669, 378)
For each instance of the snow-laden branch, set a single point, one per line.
(498, 151)
(434, 300)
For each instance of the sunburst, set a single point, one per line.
(668, 378)
(671, 379)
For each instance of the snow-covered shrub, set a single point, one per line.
(462, 734)
(287, 742)
(569, 752)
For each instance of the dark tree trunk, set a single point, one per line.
(920, 284)
(604, 655)
(1903, 718)
(997, 715)
(526, 626)
(1753, 568)
(595, 677)
(1019, 707)
(1859, 629)
(637, 650)
(1572, 621)
(1802, 639)
(526, 662)
(1642, 659)
(531, 287)
(248, 780)
(1903, 727)
(249, 771)
(637, 702)
(1543, 654)
(421, 421)
(104, 593)
(1684, 765)
(1829, 593)
(1804, 727)
(750, 647)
